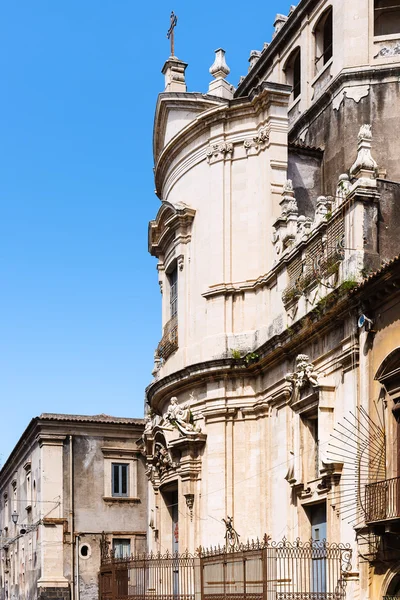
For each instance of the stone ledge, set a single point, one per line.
(121, 500)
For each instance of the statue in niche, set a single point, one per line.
(305, 373)
(181, 417)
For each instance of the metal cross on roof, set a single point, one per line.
(170, 32)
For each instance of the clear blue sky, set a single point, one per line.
(79, 302)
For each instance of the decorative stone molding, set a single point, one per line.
(389, 49)
(364, 166)
(304, 375)
(180, 261)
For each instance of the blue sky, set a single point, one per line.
(79, 302)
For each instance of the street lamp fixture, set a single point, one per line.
(14, 517)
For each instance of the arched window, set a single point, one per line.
(293, 72)
(386, 17)
(323, 39)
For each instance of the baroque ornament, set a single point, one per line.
(223, 148)
(304, 375)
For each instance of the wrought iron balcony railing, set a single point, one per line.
(382, 500)
(169, 340)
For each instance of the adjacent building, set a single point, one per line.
(274, 399)
(72, 489)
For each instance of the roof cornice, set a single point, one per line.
(255, 75)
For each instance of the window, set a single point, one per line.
(121, 548)
(317, 517)
(28, 486)
(293, 72)
(120, 479)
(323, 40)
(386, 17)
(173, 292)
(311, 445)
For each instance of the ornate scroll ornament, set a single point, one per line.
(364, 161)
(262, 137)
(305, 373)
(223, 148)
(231, 535)
(162, 461)
(181, 417)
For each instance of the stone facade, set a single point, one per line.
(278, 202)
(59, 482)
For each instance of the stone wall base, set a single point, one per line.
(53, 593)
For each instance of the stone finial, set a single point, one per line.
(321, 209)
(342, 189)
(279, 22)
(174, 72)
(365, 166)
(219, 68)
(253, 58)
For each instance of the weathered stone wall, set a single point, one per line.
(55, 593)
(335, 131)
(304, 169)
(389, 219)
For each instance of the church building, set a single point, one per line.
(273, 409)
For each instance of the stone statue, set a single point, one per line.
(305, 373)
(180, 416)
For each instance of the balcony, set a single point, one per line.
(382, 500)
(169, 341)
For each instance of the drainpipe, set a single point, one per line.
(77, 566)
(71, 514)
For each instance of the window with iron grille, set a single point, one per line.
(120, 479)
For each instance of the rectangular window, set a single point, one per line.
(121, 548)
(119, 479)
(173, 293)
(386, 17)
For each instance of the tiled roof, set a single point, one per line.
(376, 274)
(102, 418)
(302, 146)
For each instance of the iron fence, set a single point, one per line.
(261, 570)
(382, 500)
